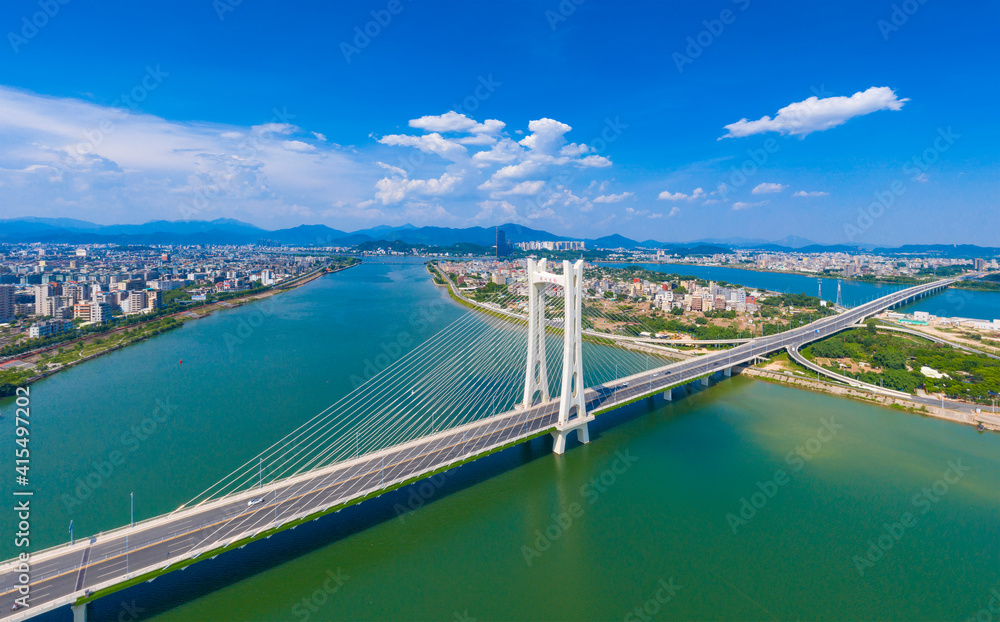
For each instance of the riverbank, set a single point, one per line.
(440, 279)
(990, 421)
(892, 280)
(13, 372)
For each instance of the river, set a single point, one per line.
(742, 500)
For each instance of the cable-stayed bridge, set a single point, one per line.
(491, 379)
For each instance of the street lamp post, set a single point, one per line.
(131, 521)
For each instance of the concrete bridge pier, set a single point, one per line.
(704, 381)
(559, 436)
(727, 372)
(79, 612)
(669, 395)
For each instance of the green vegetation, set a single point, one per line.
(897, 361)
(175, 295)
(984, 286)
(15, 377)
(488, 291)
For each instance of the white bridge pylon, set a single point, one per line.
(572, 407)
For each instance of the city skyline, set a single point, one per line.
(817, 144)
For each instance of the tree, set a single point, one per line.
(889, 359)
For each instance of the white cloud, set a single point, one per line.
(273, 128)
(574, 149)
(480, 140)
(815, 115)
(540, 213)
(565, 198)
(666, 195)
(395, 170)
(452, 121)
(396, 189)
(504, 151)
(922, 178)
(612, 198)
(56, 160)
(676, 196)
(594, 161)
(741, 205)
(297, 145)
(429, 143)
(492, 212)
(418, 211)
(524, 188)
(547, 136)
(68, 157)
(674, 211)
(630, 212)
(814, 193)
(767, 188)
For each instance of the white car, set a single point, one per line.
(253, 502)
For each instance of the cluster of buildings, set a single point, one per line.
(693, 297)
(48, 288)
(686, 295)
(924, 318)
(566, 245)
(505, 248)
(844, 264)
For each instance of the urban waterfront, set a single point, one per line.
(954, 302)
(648, 501)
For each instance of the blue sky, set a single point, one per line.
(582, 119)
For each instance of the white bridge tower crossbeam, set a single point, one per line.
(572, 407)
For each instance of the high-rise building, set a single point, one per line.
(502, 248)
(135, 302)
(100, 312)
(83, 311)
(42, 294)
(6, 303)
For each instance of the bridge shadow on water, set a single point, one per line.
(183, 586)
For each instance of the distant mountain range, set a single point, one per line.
(230, 231)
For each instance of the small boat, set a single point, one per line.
(980, 427)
